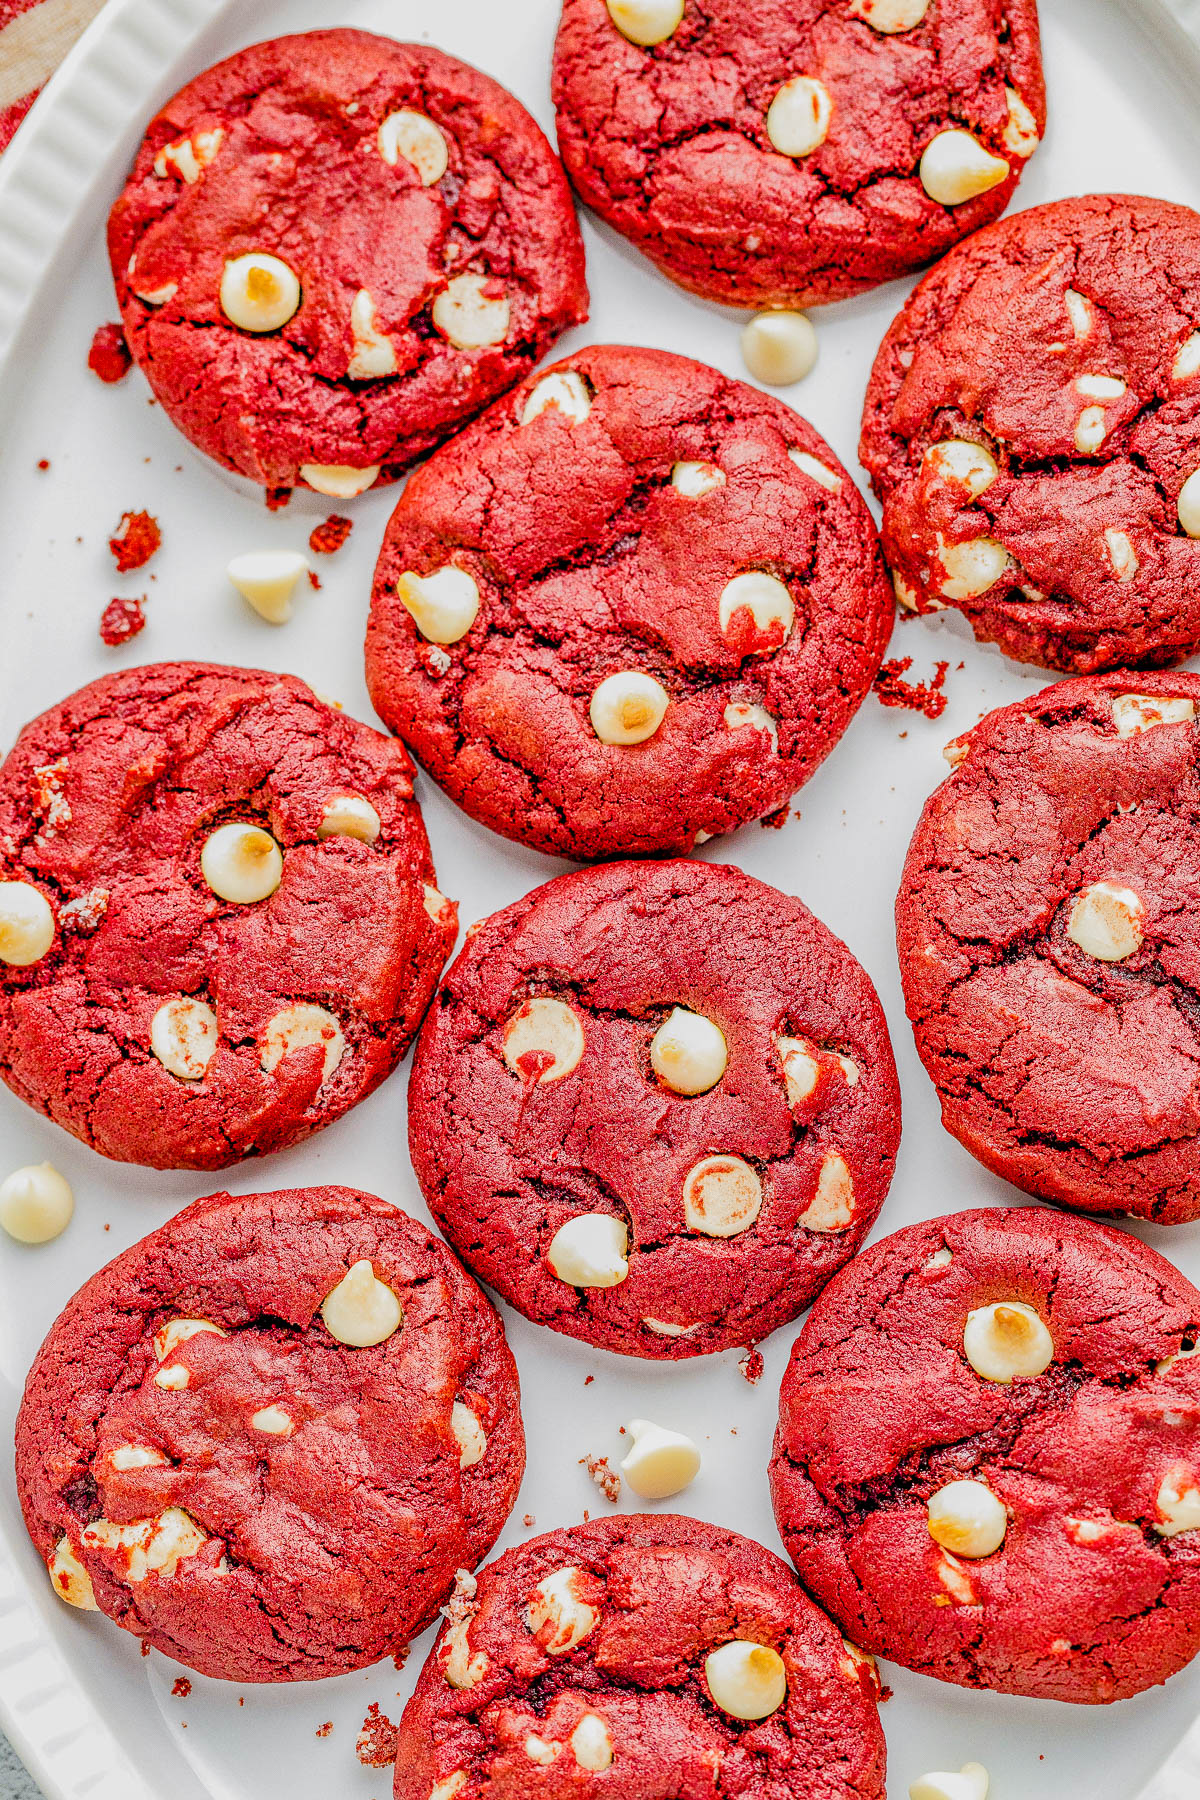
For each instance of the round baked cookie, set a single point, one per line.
(333, 249)
(218, 923)
(1048, 925)
(266, 1437)
(635, 605)
(1032, 426)
(987, 1466)
(769, 154)
(654, 1105)
(662, 1655)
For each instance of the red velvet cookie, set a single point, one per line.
(667, 1657)
(266, 1437)
(1049, 944)
(636, 604)
(769, 154)
(655, 1106)
(333, 249)
(988, 1459)
(1032, 427)
(218, 924)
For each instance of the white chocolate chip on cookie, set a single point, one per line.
(766, 602)
(816, 470)
(1106, 922)
(646, 22)
(741, 713)
(591, 1743)
(69, 1579)
(349, 815)
(591, 1251)
(1006, 1340)
(746, 1680)
(1178, 1502)
(177, 1331)
(695, 479)
(259, 292)
(832, 1206)
(469, 1435)
(295, 1028)
(660, 1462)
(36, 1203)
(274, 1421)
(628, 707)
(971, 568)
(1187, 359)
(955, 168)
(1080, 312)
(801, 1070)
(1100, 387)
(556, 1602)
(184, 1037)
(799, 116)
(267, 579)
(966, 1517)
(779, 347)
(241, 863)
(1134, 713)
(1021, 135)
(148, 1546)
(418, 141)
(1189, 504)
(126, 1457)
(340, 481)
(564, 391)
(26, 924)
(722, 1196)
(374, 354)
(443, 605)
(890, 16)
(188, 157)
(469, 316)
(688, 1052)
(361, 1310)
(963, 464)
(1091, 429)
(543, 1039)
(1122, 556)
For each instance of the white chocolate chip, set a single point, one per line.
(469, 1434)
(722, 1196)
(177, 1331)
(832, 1206)
(150, 1546)
(963, 464)
(1007, 1339)
(628, 707)
(1121, 554)
(850, 1070)
(695, 479)
(955, 1580)
(1188, 505)
(966, 1517)
(1090, 1531)
(436, 905)
(855, 1661)
(444, 605)
(591, 1743)
(1021, 134)
(340, 481)
(450, 1786)
(259, 292)
(768, 604)
(69, 1579)
(1133, 713)
(418, 140)
(349, 815)
(890, 15)
(174, 1379)
(36, 1203)
(1091, 429)
(779, 348)
(906, 595)
(1100, 387)
(565, 391)
(466, 314)
(274, 1421)
(971, 568)
(1106, 922)
(151, 296)
(956, 753)
(538, 1750)
(374, 353)
(590, 1251)
(135, 1456)
(688, 1052)
(26, 924)
(968, 1783)
(361, 1310)
(1178, 1502)
(646, 22)
(543, 1040)
(1080, 312)
(660, 1462)
(941, 1259)
(267, 579)
(801, 1070)
(184, 1037)
(241, 863)
(740, 713)
(461, 1668)
(816, 470)
(1187, 359)
(799, 115)
(955, 168)
(555, 1602)
(664, 1328)
(746, 1680)
(295, 1028)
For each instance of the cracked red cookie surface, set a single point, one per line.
(218, 923)
(1048, 943)
(1032, 426)
(765, 154)
(264, 1438)
(333, 249)
(634, 605)
(659, 1654)
(655, 1106)
(988, 1459)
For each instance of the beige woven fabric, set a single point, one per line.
(34, 43)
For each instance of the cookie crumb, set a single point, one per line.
(109, 356)
(134, 541)
(121, 620)
(181, 1687)
(751, 1366)
(401, 1657)
(529, 1521)
(314, 580)
(776, 820)
(277, 498)
(43, 463)
(917, 696)
(145, 1648)
(375, 1746)
(325, 539)
(325, 1729)
(588, 1380)
(606, 1479)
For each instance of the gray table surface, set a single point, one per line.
(14, 1782)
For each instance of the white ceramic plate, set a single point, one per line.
(91, 1716)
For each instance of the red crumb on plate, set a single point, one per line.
(918, 696)
(121, 620)
(325, 1729)
(109, 356)
(606, 1479)
(182, 1687)
(134, 541)
(751, 1366)
(376, 1744)
(330, 536)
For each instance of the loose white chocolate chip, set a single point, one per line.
(816, 470)
(628, 708)
(36, 1203)
(374, 353)
(590, 1251)
(349, 815)
(184, 1037)
(971, 568)
(1079, 311)
(1187, 359)
(189, 156)
(444, 605)
(241, 863)
(740, 713)
(660, 1462)
(295, 1028)
(1106, 922)
(646, 22)
(1189, 504)
(695, 479)
(69, 1579)
(259, 292)
(966, 1517)
(151, 1546)
(450, 1786)
(746, 1680)
(466, 314)
(591, 1743)
(832, 1206)
(968, 1783)
(565, 391)
(688, 1052)
(1021, 134)
(955, 167)
(799, 115)
(779, 348)
(767, 601)
(274, 1421)
(26, 924)
(267, 579)
(543, 1040)
(1007, 1339)
(418, 140)
(801, 1070)
(1133, 713)
(135, 1456)
(469, 1435)
(1178, 1502)
(722, 1196)
(1121, 554)
(1091, 429)
(963, 464)
(361, 1310)
(556, 1602)
(890, 15)
(339, 480)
